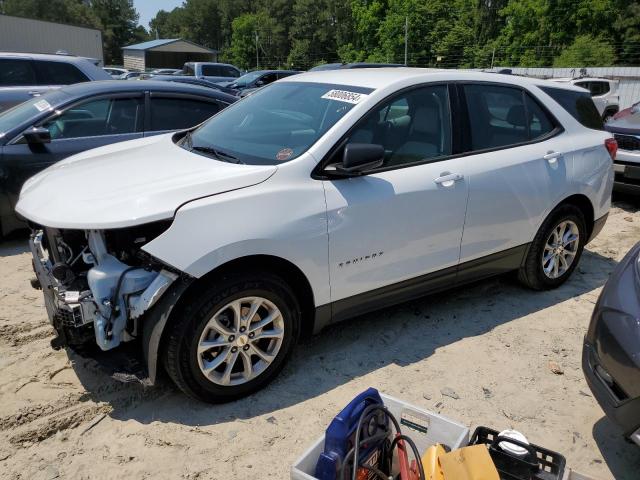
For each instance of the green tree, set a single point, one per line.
(627, 32)
(586, 51)
(75, 12)
(119, 22)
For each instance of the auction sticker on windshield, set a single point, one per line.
(42, 105)
(344, 96)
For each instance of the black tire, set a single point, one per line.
(183, 334)
(532, 274)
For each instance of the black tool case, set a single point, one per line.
(538, 464)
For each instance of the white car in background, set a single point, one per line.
(604, 93)
(320, 197)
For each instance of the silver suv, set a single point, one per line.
(26, 75)
(604, 93)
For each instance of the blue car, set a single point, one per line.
(75, 118)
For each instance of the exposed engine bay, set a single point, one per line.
(98, 283)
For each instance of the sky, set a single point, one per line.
(148, 8)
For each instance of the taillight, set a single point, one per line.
(612, 147)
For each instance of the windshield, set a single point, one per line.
(246, 79)
(276, 124)
(32, 108)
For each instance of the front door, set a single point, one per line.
(392, 227)
(83, 126)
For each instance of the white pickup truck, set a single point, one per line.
(214, 72)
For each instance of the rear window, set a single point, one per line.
(58, 73)
(578, 104)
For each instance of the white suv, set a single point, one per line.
(604, 93)
(321, 197)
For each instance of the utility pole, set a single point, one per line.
(406, 38)
(493, 56)
(257, 53)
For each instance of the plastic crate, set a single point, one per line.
(571, 475)
(425, 429)
(550, 465)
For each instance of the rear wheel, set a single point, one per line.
(233, 337)
(555, 250)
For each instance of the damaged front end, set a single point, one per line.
(98, 284)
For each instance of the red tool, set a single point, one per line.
(408, 471)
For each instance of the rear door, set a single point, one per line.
(18, 81)
(87, 124)
(517, 163)
(168, 112)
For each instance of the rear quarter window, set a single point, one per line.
(58, 73)
(578, 104)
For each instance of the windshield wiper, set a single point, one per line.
(215, 152)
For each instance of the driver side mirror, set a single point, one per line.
(360, 157)
(259, 83)
(37, 135)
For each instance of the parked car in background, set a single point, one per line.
(635, 108)
(626, 130)
(469, 174)
(116, 72)
(611, 352)
(132, 76)
(250, 82)
(347, 66)
(76, 118)
(165, 71)
(194, 81)
(27, 75)
(604, 93)
(214, 72)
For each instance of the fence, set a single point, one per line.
(629, 78)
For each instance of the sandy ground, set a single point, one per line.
(62, 417)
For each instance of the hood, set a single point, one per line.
(129, 183)
(627, 123)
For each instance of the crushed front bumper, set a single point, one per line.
(69, 312)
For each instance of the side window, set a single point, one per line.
(578, 104)
(16, 73)
(497, 116)
(540, 123)
(211, 71)
(178, 113)
(58, 73)
(105, 116)
(413, 127)
(230, 72)
(599, 88)
(268, 78)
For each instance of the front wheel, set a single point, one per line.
(555, 250)
(233, 337)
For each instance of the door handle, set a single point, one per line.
(552, 157)
(448, 179)
(34, 93)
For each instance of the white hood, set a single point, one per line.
(129, 183)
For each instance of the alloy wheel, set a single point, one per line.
(560, 249)
(240, 341)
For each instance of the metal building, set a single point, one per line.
(628, 78)
(26, 35)
(167, 53)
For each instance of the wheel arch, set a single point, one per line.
(583, 203)
(284, 268)
(170, 305)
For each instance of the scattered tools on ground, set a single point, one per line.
(365, 442)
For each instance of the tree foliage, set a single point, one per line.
(441, 33)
